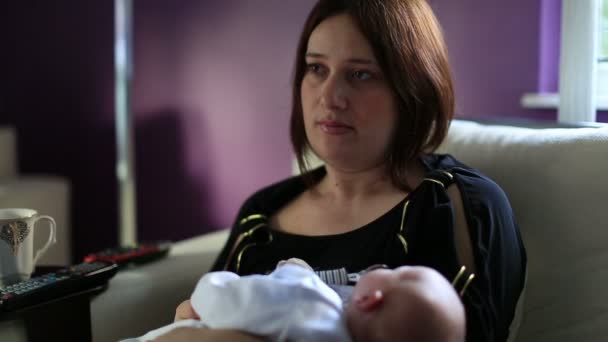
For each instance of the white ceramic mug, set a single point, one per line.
(17, 259)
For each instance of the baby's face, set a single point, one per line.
(375, 304)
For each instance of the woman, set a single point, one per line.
(372, 98)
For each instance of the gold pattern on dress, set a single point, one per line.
(434, 181)
(242, 237)
(403, 215)
(450, 176)
(403, 242)
(238, 258)
(460, 273)
(466, 283)
(464, 288)
(251, 217)
(400, 233)
(240, 255)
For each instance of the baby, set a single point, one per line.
(293, 304)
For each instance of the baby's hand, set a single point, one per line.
(294, 261)
(185, 311)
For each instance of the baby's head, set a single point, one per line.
(405, 304)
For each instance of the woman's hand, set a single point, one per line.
(185, 311)
(181, 334)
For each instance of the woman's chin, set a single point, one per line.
(346, 158)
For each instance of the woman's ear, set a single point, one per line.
(369, 301)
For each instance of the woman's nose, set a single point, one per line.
(334, 94)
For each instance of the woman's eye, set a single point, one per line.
(361, 75)
(314, 68)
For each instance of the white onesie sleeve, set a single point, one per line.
(291, 303)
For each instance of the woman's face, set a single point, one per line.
(349, 108)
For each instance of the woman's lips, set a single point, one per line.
(334, 127)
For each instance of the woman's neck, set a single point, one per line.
(355, 184)
(352, 184)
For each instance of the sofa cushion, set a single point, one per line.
(556, 181)
(148, 294)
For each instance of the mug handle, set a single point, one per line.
(52, 237)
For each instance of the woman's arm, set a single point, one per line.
(462, 237)
(187, 334)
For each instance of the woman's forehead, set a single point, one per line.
(339, 37)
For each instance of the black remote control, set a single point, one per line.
(139, 254)
(53, 285)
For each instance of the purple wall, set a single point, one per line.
(500, 50)
(211, 100)
(223, 71)
(550, 30)
(56, 89)
(494, 50)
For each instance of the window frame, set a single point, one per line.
(583, 80)
(602, 72)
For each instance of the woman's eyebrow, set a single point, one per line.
(355, 60)
(361, 61)
(315, 55)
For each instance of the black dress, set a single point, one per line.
(417, 231)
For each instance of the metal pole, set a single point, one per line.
(125, 168)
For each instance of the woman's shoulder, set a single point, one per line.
(474, 185)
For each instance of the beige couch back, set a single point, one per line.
(557, 182)
(8, 152)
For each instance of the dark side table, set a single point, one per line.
(66, 318)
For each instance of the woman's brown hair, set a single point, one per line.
(408, 43)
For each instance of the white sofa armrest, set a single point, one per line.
(145, 297)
